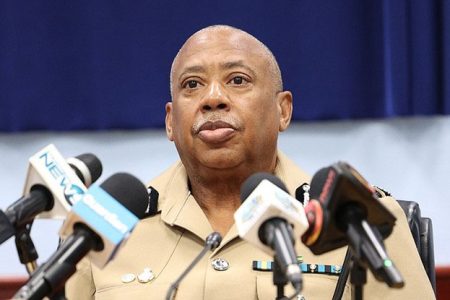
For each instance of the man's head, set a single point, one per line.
(274, 69)
(227, 102)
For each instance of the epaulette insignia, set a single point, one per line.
(265, 265)
(381, 192)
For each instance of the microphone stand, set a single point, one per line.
(49, 278)
(279, 280)
(358, 277)
(25, 248)
(367, 250)
(345, 272)
(213, 241)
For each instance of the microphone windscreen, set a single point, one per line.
(93, 164)
(318, 182)
(213, 240)
(253, 181)
(87, 166)
(129, 191)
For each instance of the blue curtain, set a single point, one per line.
(71, 65)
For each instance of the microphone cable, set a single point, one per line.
(213, 241)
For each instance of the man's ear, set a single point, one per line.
(284, 100)
(169, 130)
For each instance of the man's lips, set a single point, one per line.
(213, 125)
(215, 132)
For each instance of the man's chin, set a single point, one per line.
(218, 160)
(221, 164)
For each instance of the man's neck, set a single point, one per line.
(217, 191)
(219, 199)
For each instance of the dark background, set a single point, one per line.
(71, 65)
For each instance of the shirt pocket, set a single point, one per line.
(315, 286)
(133, 290)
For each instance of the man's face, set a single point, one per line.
(225, 111)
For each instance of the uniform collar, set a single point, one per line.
(179, 208)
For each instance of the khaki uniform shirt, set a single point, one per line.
(168, 242)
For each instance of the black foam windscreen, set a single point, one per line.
(318, 182)
(129, 191)
(93, 164)
(339, 189)
(253, 181)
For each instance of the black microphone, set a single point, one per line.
(98, 223)
(213, 241)
(344, 210)
(41, 198)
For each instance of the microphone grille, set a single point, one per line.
(253, 181)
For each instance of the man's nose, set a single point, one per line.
(215, 98)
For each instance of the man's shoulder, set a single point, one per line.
(160, 181)
(170, 183)
(290, 173)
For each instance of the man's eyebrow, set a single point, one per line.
(237, 63)
(192, 69)
(226, 66)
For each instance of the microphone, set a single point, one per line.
(87, 166)
(101, 221)
(213, 241)
(269, 218)
(344, 209)
(49, 178)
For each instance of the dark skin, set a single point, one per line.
(225, 117)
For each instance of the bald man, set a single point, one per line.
(228, 107)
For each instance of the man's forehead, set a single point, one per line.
(235, 44)
(222, 37)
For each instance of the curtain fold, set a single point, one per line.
(98, 65)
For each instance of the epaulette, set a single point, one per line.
(153, 196)
(381, 192)
(302, 193)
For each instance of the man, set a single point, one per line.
(228, 106)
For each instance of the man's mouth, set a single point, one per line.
(216, 132)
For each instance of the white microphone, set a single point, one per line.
(98, 226)
(270, 218)
(51, 187)
(48, 168)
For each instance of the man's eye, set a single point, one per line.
(192, 84)
(238, 80)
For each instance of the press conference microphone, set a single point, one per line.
(269, 218)
(344, 210)
(213, 241)
(50, 179)
(101, 221)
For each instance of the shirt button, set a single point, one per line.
(220, 264)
